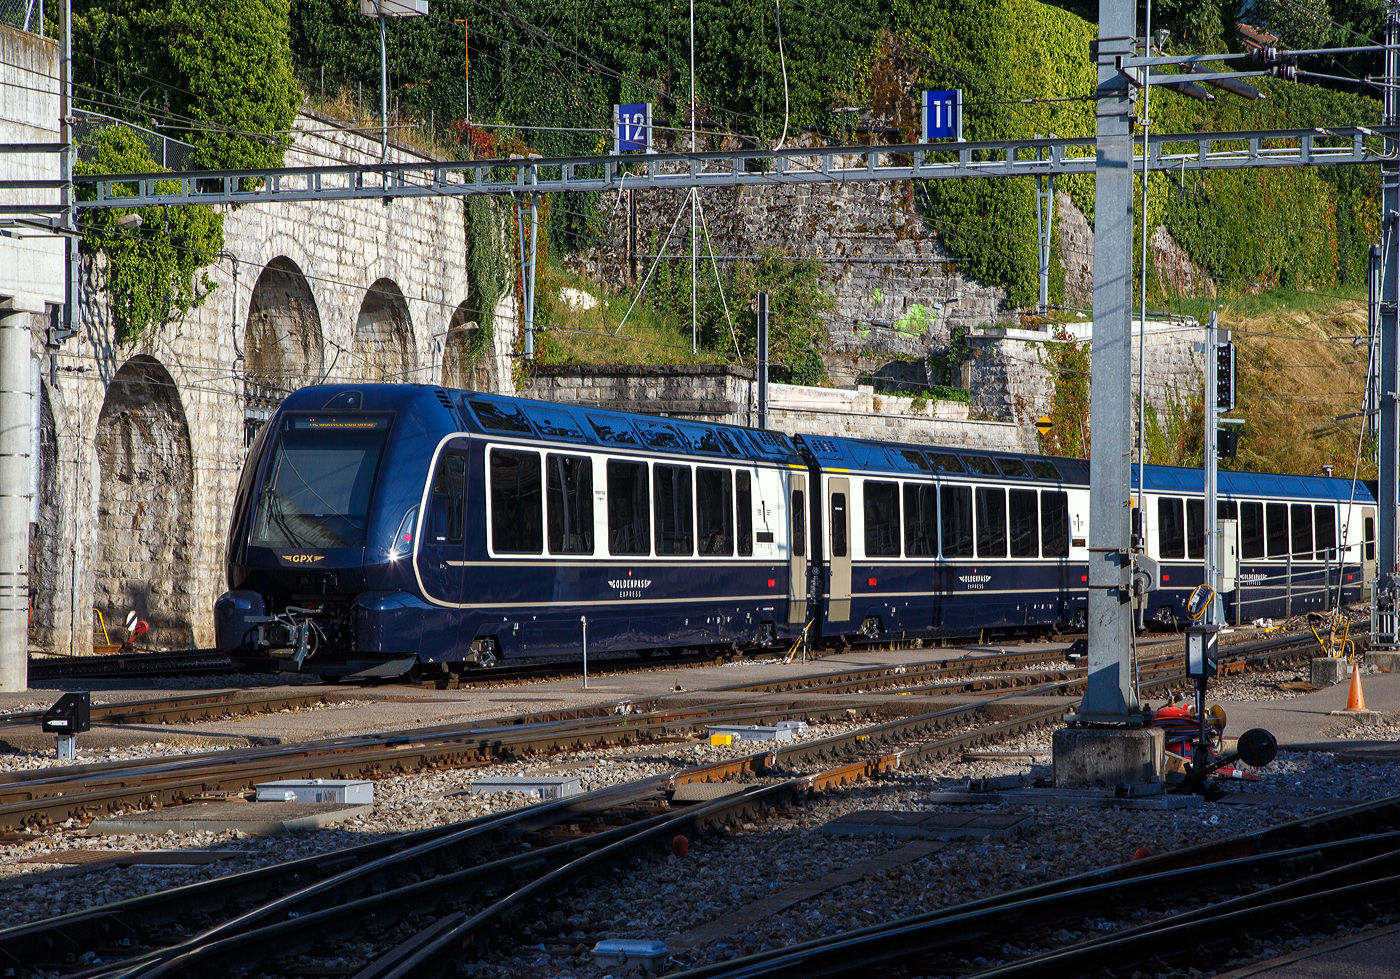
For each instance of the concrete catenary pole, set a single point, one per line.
(1109, 695)
(16, 394)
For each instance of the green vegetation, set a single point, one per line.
(152, 273)
(224, 77)
(217, 75)
(1067, 359)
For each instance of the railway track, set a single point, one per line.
(453, 873)
(39, 797)
(189, 662)
(192, 708)
(328, 895)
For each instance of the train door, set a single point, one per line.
(839, 514)
(441, 547)
(797, 556)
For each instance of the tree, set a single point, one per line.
(797, 297)
(150, 272)
(215, 74)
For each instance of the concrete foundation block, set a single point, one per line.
(1328, 671)
(1087, 757)
(1384, 660)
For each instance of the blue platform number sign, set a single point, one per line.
(632, 127)
(943, 115)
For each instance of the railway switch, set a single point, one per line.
(69, 717)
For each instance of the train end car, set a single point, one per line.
(385, 529)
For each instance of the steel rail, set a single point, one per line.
(39, 801)
(160, 907)
(193, 662)
(993, 919)
(430, 951)
(194, 708)
(323, 873)
(19, 942)
(1156, 938)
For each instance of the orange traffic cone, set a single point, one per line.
(1355, 701)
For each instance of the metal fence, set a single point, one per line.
(172, 154)
(27, 15)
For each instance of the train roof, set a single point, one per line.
(548, 421)
(525, 418)
(835, 454)
(1173, 479)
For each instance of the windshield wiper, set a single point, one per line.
(279, 517)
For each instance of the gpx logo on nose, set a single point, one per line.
(303, 558)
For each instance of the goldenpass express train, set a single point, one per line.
(385, 529)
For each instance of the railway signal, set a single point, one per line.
(1225, 375)
(1044, 426)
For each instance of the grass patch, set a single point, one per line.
(1295, 379)
(1272, 302)
(575, 335)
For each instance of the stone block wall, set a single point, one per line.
(148, 441)
(897, 293)
(729, 395)
(1008, 379)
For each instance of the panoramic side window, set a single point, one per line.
(920, 520)
(991, 522)
(838, 524)
(1054, 524)
(881, 518)
(1276, 524)
(743, 489)
(629, 508)
(449, 499)
(1171, 529)
(1325, 527)
(956, 510)
(1251, 530)
(675, 519)
(1302, 532)
(516, 524)
(1195, 529)
(1025, 524)
(570, 492)
(714, 511)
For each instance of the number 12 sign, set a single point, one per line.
(632, 127)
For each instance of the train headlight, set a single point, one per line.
(403, 540)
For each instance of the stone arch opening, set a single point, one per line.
(47, 535)
(283, 348)
(384, 335)
(468, 354)
(145, 546)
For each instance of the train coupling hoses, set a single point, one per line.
(304, 633)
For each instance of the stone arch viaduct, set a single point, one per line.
(140, 448)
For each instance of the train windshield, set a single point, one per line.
(318, 486)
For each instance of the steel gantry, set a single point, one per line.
(1050, 156)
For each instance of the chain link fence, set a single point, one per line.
(27, 15)
(172, 154)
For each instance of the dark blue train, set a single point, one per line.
(384, 529)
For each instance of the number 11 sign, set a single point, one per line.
(632, 128)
